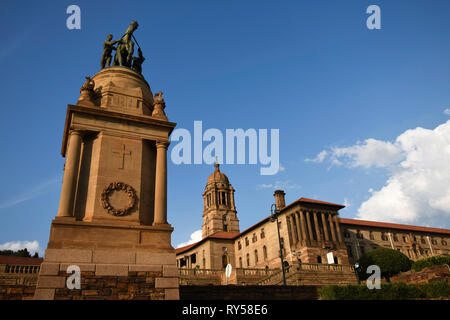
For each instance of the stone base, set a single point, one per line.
(116, 262)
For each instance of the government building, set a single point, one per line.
(309, 230)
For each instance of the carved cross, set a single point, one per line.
(122, 152)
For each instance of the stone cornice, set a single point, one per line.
(99, 111)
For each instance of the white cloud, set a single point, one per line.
(367, 154)
(319, 158)
(347, 203)
(195, 237)
(283, 185)
(32, 246)
(30, 194)
(447, 111)
(417, 190)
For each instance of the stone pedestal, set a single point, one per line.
(112, 217)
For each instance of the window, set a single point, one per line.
(223, 197)
(256, 256)
(359, 234)
(383, 236)
(224, 222)
(319, 259)
(395, 237)
(254, 238)
(194, 258)
(422, 240)
(405, 239)
(371, 236)
(349, 251)
(239, 245)
(265, 253)
(262, 233)
(240, 262)
(433, 241)
(248, 260)
(246, 242)
(346, 233)
(336, 260)
(443, 242)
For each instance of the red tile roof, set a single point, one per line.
(313, 201)
(20, 260)
(218, 235)
(391, 225)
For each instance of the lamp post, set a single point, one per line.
(274, 213)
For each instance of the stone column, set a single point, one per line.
(333, 233)
(303, 226)
(338, 230)
(316, 223)
(290, 223)
(325, 227)
(297, 222)
(308, 222)
(161, 183)
(70, 175)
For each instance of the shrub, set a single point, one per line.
(390, 262)
(432, 261)
(388, 291)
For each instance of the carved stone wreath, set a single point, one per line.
(118, 186)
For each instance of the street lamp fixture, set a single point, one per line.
(274, 213)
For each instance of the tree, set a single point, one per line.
(19, 253)
(390, 261)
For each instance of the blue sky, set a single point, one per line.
(309, 68)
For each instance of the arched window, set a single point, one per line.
(248, 260)
(240, 262)
(265, 253)
(319, 259)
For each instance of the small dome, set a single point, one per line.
(217, 176)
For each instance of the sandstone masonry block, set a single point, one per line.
(170, 271)
(84, 267)
(51, 282)
(49, 269)
(146, 268)
(111, 270)
(172, 294)
(166, 283)
(110, 256)
(68, 255)
(155, 258)
(44, 294)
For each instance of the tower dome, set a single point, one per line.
(217, 176)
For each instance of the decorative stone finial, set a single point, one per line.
(159, 106)
(87, 92)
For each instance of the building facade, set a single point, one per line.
(309, 230)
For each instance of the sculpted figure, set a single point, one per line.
(108, 47)
(88, 85)
(138, 61)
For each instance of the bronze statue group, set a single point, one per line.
(124, 51)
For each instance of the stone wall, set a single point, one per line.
(135, 286)
(232, 292)
(17, 286)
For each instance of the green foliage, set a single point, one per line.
(388, 291)
(19, 253)
(432, 261)
(390, 262)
